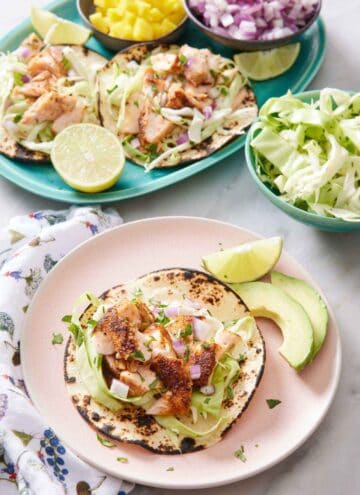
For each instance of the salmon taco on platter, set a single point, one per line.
(168, 361)
(172, 105)
(44, 89)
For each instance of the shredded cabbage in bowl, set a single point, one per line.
(309, 153)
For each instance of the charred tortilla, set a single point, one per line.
(227, 130)
(131, 424)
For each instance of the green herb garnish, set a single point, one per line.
(136, 103)
(148, 342)
(224, 91)
(66, 63)
(206, 401)
(57, 338)
(137, 355)
(240, 454)
(162, 318)
(92, 323)
(154, 383)
(241, 358)
(187, 331)
(273, 403)
(124, 460)
(77, 333)
(152, 149)
(111, 90)
(205, 345)
(182, 59)
(18, 79)
(66, 318)
(187, 354)
(17, 118)
(104, 442)
(229, 392)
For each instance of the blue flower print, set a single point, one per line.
(53, 452)
(37, 215)
(15, 274)
(93, 228)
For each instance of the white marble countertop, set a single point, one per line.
(329, 463)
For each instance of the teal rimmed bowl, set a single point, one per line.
(311, 219)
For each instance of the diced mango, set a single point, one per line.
(155, 15)
(167, 26)
(101, 23)
(177, 17)
(114, 15)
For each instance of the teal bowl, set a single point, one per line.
(311, 219)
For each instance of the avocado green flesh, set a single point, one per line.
(310, 300)
(268, 301)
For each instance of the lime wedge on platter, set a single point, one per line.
(58, 31)
(88, 157)
(268, 64)
(246, 262)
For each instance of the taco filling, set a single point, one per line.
(44, 90)
(174, 104)
(147, 354)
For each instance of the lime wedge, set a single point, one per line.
(58, 31)
(244, 263)
(260, 66)
(88, 157)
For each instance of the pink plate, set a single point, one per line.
(268, 436)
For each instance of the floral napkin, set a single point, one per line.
(33, 461)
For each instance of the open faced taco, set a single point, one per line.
(171, 105)
(43, 90)
(168, 361)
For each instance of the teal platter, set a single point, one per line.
(41, 179)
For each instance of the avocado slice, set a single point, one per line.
(269, 301)
(310, 300)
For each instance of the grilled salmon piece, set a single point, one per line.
(32, 45)
(197, 66)
(176, 97)
(51, 60)
(68, 118)
(40, 84)
(181, 328)
(48, 108)
(175, 375)
(206, 358)
(153, 127)
(198, 97)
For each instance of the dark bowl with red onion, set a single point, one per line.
(251, 25)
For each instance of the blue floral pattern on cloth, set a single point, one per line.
(33, 461)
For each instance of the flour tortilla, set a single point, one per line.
(131, 424)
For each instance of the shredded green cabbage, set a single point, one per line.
(310, 152)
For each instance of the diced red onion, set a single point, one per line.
(10, 126)
(192, 303)
(201, 329)
(208, 111)
(254, 19)
(171, 311)
(207, 390)
(25, 79)
(195, 371)
(135, 143)
(182, 139)
(155, 310)
(22, 52)
(179, 347)
(119, 388)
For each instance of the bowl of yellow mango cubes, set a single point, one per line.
(120, 23)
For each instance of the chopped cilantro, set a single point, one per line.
(170, 469)
(240, 454)
(111, 90)
(66, 63)
(205, 345)
(162, 318)
(213, 73)
(77, 333)
(187, 354)
(92, 323)
(148, 342)
(153, 384)
(187, 331)
(124, 460)
(17, 118)
(66, 318)
(136, 103)
(104, 442)
(137, 355)
(241, 358)
(182, 59)
(153, 88)
(229, 392)
(18, 79)
(152, 149)
(136, 294)
(57, 338)
(224, 91)
(273, 403)
(206, 401)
